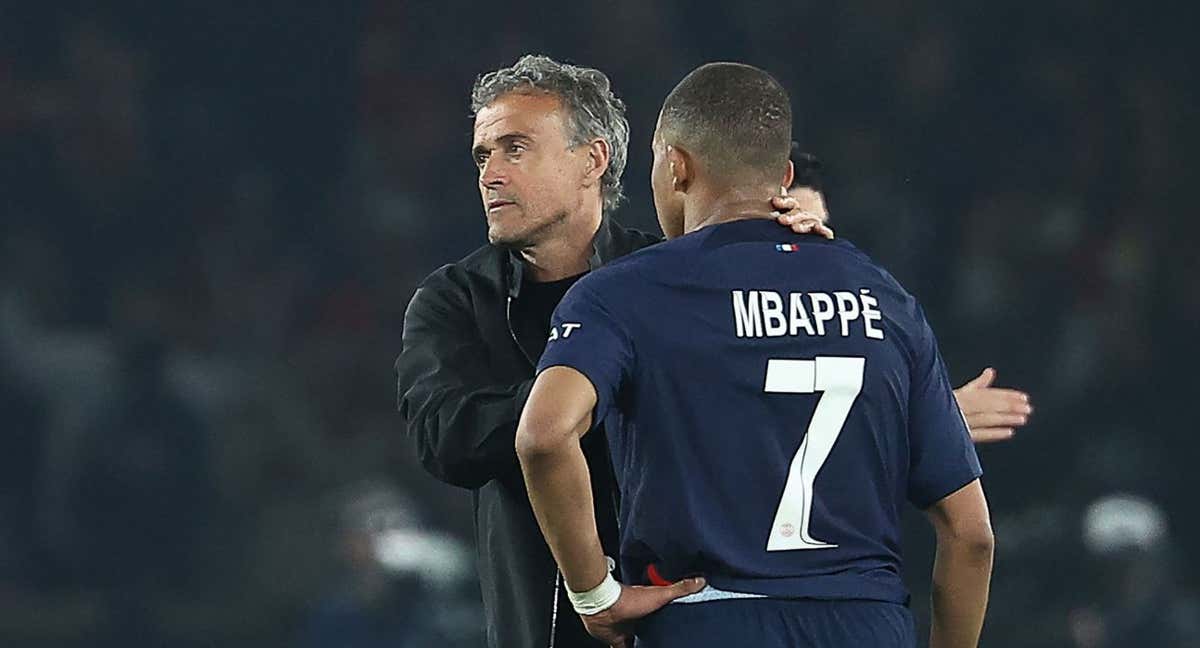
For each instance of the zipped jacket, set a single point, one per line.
(462, 381)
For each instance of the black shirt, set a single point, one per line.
(532, 311)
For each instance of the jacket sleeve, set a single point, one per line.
(463, 421)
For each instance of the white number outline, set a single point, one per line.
(839, 379)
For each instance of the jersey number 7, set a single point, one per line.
(839, 379)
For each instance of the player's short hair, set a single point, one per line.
(808, 170)
(735, 117)
(593, 110)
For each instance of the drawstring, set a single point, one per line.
(554, 612)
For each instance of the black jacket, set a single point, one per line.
(463, 379)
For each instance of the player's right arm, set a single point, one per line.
(463, 419)
(962, 570)
(943, 480)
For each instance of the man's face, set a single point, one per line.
(530, 178)
(667, 202)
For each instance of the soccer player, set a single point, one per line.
(770, 401)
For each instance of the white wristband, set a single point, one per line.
(597, 599)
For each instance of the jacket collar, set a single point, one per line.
(604, 249)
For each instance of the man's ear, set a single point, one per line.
(789, 176)
(598, 157)
(682, 168)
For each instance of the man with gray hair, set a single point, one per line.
(550, 143)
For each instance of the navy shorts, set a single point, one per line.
(779, 623)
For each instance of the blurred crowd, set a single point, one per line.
(213, 217)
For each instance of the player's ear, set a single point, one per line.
(789, 176)
(598, 157)
(681, 168)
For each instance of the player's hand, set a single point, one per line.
(992, 414)
(615, 625)
(801, 222)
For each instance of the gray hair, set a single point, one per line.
(594, 111)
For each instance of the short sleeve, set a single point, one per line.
(942, 456)
(587, 337)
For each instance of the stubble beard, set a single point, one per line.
(540, 233)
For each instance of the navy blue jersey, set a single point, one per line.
(771, 400)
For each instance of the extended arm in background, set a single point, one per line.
(463, 422)
(992, 413)
(558, 414)
(962, 570)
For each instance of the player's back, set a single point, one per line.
(782, 396)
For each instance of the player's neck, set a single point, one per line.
(725, 206)
(566, 252)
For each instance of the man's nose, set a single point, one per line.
(492, 174)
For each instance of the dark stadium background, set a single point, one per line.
(214, 214)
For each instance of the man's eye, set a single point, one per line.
(516, 149)
(480, 160)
